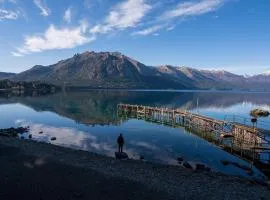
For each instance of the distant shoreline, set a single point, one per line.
(164, 90)
(153, 90)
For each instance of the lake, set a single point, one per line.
(89, 120)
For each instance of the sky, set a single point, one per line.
(231, 35)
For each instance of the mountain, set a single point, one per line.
(260, 78)
(115, 70)
(205, 79)
(259, 82)
(5, 75)
(104, 70)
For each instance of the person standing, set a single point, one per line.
(120, 141)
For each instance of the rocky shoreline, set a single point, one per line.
(156, 180)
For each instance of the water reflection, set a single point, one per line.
(100, 107)
(162, 144)
(242, 141)
(88, 120)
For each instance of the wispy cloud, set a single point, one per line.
(127, 14)
(192, 8)
(124, 15)
(90, 4)
(170, 28)
(67, 15)
(55, 38)
(149, 30)
(167, 20)
(100, 29)
(144, 145)
(8, 15)
(16, 54)
(9, 1)
(12, 1)
(87, 4)
(45, 11)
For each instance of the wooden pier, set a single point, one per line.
(247, 141)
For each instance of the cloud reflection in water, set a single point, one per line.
(77, 139)
(73, 138)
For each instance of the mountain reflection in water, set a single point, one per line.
(100, 106)
(88, 120)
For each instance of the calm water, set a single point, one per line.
(88, 120)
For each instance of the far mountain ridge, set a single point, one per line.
(6, 75)
(115, 70)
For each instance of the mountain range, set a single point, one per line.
(115, 70)
(4, 75)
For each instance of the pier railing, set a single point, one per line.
(260, 124)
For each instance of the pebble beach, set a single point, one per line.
(36, 170)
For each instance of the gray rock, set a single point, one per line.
(180, 159)
(187, 165)
(121, 155)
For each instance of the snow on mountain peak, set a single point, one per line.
(267, 73)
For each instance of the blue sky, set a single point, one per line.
(211, 34)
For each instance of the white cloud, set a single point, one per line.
(124, 15)
(45, 11)
(67, 15)
(127, 14)
(193, 8)
(149, 30)
(16, 54)
(55, 38)
(7, 14)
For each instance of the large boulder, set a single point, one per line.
(259, 113)
(121, 155)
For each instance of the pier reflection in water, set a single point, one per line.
(248, 142)
(89, 121)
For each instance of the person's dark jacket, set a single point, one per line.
(120, 140)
